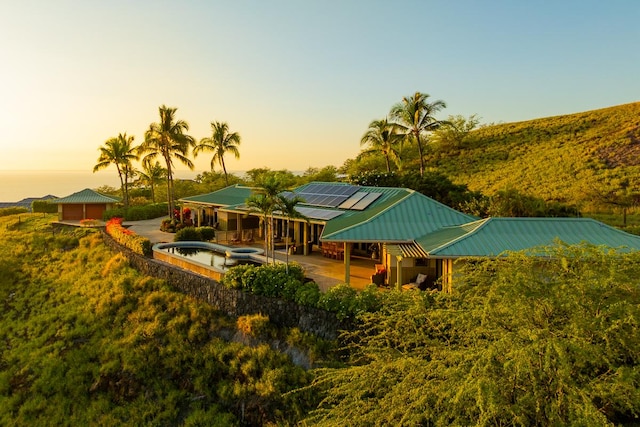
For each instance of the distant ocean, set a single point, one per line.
(18, 185)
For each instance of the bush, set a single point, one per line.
(268, 280)
(308, 294)
(12, 211)
(128, 238)
(137, 213)
(207, 233)
(44, 206)
(187, 234)
(168, 226)
(342, 300)
(256, 326)
(347, 303)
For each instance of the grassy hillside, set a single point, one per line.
(569, 158)
(86, 340)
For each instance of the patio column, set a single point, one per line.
(305, 239)
(347, 263)
(399, 273)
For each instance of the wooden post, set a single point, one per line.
(347, 263)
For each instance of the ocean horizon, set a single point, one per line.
(21, 184)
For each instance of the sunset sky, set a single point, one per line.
(300, 80)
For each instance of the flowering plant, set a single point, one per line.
(128, 238)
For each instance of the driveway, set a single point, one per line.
(150, 228)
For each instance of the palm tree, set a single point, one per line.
(287, 206)
(415, 117)
(382, 136)
(221, 142)
(266, 201)
(261, 203)
(118, 151)
(152, 174)
(271, 186)
(167, 139)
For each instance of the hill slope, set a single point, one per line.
(566, 158)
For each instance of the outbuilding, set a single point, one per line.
(85, 204)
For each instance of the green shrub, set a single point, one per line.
(44, 206)
(12, 211)
(341, 299)
(308, 294)
(137, 213)
(207, 233)
(234, 278)
(187, 234)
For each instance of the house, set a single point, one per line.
(406, 233)
(85, 204)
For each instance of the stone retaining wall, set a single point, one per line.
(233, 302)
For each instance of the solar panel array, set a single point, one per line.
(326, 195)
(316, 213)
(366, 201)
(333, 196)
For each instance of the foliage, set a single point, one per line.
(551, 340)
(325, 174)
(348, 303)
(271, 280)
(128, 238)
(256, 326)
(168, 139)
(187, 234)
(89, 341)
(120, 152)
(221, 142)
(206, 233)
(137, 213)
(415, 118)
(44, 206)
(512, 203)
(13, 211)
(454, 132)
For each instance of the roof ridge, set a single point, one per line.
(481, 224)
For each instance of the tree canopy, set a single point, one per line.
(523, 340)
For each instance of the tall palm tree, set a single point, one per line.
(261, 203)
(119, 152)
(152, 174)
(382, 136)
(271, 186)
(167, 139)
(287, 206)
(415, 117)
(221, 142)
(265, 200)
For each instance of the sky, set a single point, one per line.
(299, 80)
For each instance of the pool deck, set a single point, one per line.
(325, 272)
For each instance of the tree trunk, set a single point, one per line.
(420, 154)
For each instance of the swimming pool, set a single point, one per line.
(209, 259)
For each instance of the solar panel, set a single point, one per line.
(315, 213)
(366, 201)
(353, 200)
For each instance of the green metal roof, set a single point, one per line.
(86, 196)
(400, 215)
(493, 236)
(228, 196)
